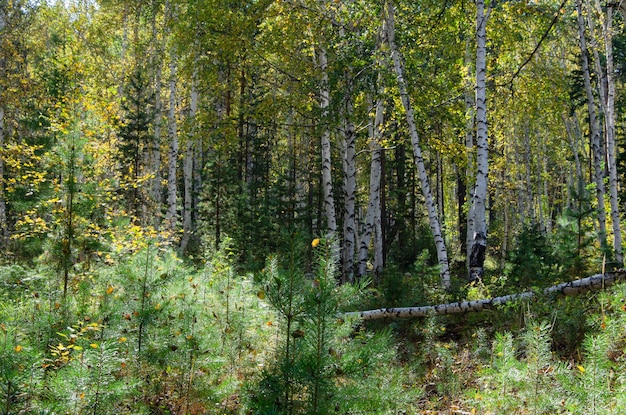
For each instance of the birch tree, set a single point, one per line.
(433, 217)
(172, 163)
(349, 187)
(607, 31)
(606, 89)
(188, 165)
(595, 139)
(478, 215)
(372, 226)
(327, 180)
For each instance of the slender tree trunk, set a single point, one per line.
(349, 188)
(327, 181)
(610, 132)
(372, 218)
(479, 197)
(170, 217)
(433, 218)
(188, 170)
(154, 153)
(466, 222)
(595, 139)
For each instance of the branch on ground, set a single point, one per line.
(595, 282)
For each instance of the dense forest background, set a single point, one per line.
(185, 182)
(194, 122)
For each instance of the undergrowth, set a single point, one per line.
(144, 333)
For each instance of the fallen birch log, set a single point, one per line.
(595, 282)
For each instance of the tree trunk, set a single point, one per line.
(349, 188)
(466, 222)
(596, 144)
(327, 180)
(170, 217)
(595, 282)
(154, 152)
(188, 170)
(433, 217)
(479, 197)
(610, 132)
(373, 206)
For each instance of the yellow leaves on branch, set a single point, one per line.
(30, 225)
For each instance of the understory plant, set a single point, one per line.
(321, 360)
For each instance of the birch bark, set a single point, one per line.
(466, 222)
(189, 163)
(610, 132)
(372, 219)
(479, 197)
(596, 143)
(592, 283)
(170, 216)
(349, 188)
(433, 218)
(375, 209)
(327, 181)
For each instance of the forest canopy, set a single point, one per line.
(476, 132)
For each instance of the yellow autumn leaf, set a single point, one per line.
(580, 368)
(18, 348)
(315, 242)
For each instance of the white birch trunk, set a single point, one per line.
(479, 197)
(170, 216)
(189, 163)
(470, 121)
(595, 139)
(327, 181)
(433, 217)
(593, 283)
(373, 206)
(610, 133)
(349, 189)
(373, 222)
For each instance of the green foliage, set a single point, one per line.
(321, 360)
(540, 259)
(136, 138)
(532, 260)
(419, 285)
